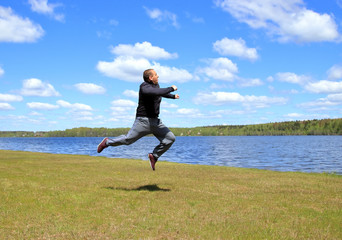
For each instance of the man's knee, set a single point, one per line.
(169, 138)
(129, 141)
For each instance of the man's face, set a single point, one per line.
(154, 77)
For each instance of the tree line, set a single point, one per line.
(308, 127)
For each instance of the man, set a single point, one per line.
(147, 121)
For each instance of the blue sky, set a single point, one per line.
(74, 63)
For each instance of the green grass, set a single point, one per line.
(48, 196)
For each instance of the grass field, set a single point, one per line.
(47, 196)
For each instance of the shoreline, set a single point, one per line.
(165, 161)
(287, 128)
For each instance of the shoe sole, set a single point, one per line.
(100, 145)
(148, 155)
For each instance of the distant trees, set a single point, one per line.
(16, 134)
(87, 132)
(309, 127)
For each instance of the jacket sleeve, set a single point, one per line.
(169, 96)
(147, 89)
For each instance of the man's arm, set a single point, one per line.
(169, 95)
(147, 89)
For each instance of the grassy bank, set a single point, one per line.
(47, 196)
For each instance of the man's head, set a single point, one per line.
(150, 76)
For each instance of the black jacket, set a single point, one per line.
(150, 96)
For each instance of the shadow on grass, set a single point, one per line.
(151, 188)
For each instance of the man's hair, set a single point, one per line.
(147, 74)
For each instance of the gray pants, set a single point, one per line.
(143, 126)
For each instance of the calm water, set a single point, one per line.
(281, 153)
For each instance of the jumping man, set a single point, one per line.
(147, 121)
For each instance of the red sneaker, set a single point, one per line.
(153, 161)
(102, 145)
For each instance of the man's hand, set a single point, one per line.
(174, 87)
(176, 96)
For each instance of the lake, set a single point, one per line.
(280, 153)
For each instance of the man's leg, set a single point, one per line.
(139, 129)
(165, 136)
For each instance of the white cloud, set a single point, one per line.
(218, 98)
(2, 72)
(335, 72)
(168, 105)
(120, 111)
(43, 7)
(171, 74)
(233, 47)
(198, 20)
(229, 112)
(321, 104)
(221, 98)
(131, 69)
(123, 117)
(80, 115)
(330, 100)
(104, 34)
(324, 103)
(6, 106)
(42, 106)
(74, 106)
(14, 28)
(335, 97)
(294, 115)
(224, 69)
(112, 120)
(85, 113)
(292, 78)
(123, 103)
(124, 68)
(190, 112)
(142, 50)
(270, 79)
(217, 86)
(162, 16)
(123, 110)
(154, 13)
(324, 86)
(299, 116)
(287, 20)
(193, 18)
(10, 98)
(35, 87)
(35, 114)
(220, 69)
(90, 88)
(131, 93)
(250, 82)
(113, 22)
(14, 117)
(133, 61)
